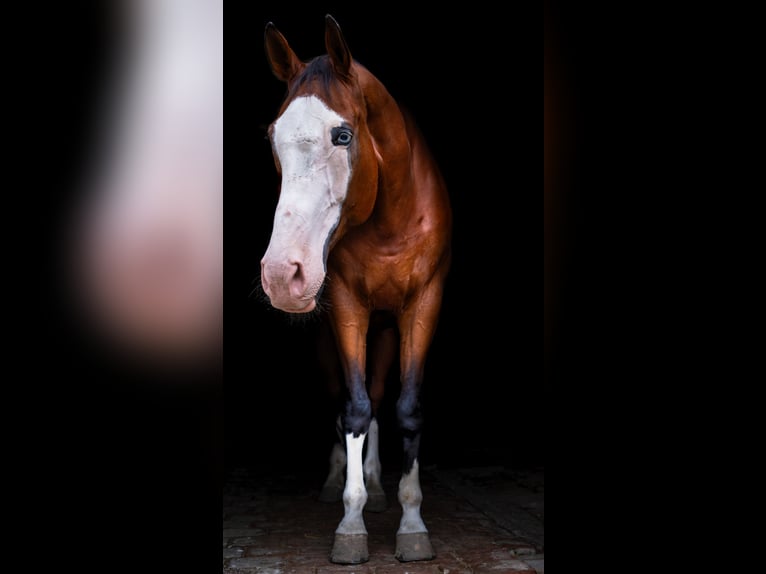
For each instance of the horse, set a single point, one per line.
(362, 232)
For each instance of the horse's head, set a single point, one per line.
(328, 166)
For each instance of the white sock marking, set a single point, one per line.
(355, 494)
(410, 497)
(372, 468)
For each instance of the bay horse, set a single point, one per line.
(363, 221)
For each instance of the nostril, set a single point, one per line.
(284, 280)
(297, 280)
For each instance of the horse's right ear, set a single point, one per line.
(283, 61)
(340, 56)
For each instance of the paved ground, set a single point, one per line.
(481, 520)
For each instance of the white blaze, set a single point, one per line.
(315, 176)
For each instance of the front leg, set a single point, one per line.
(417, 325)
(350, 545)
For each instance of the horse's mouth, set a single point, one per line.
(307, 308)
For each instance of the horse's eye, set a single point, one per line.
(341, 136)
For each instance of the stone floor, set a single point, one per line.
(481, 520)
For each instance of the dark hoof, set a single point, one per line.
(414, 546)
(350, 549)
(331, 494)
(376, 502)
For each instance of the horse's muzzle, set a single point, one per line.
(287, 287)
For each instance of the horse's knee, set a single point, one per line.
(408, 413)
(358, 415)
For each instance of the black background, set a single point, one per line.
(104, 445)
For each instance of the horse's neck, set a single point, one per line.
(388, 127)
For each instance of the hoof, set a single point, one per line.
(331, 494)
(414, 546)
(376, 502)
(350, 549)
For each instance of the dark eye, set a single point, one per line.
(341, 136)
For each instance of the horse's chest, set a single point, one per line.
(382, 278)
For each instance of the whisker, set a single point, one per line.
(258, 293)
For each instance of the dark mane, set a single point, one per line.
(319, 72)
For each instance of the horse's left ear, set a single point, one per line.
(283, 61)
(336, 46)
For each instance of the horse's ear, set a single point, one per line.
(340, 55)
(283, 61)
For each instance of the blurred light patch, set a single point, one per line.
(147, 273)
